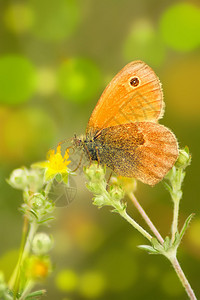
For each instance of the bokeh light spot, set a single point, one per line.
(193, 234)
(180, 26)
(7, 261)
(92, 284)
(181, 91)
(144, 43)
(79, 79)
(18, 18)
(17, 79)
(54, 20)
(171, 285)
(26, 135)
(46, 81)
(66, 280)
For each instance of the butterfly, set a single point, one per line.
(123, 131)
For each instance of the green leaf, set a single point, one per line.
(177, 239)
(33, 212)
(156, 245)
(185, 226)
(65, 179)
(100, 201)
(59, 177)
(35, 294)
(149, 249)
(46, 220)
(167, 186)
(166, 244)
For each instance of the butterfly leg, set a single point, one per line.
(79, 164)
(108, 180)
(98, 158)
(88, 153)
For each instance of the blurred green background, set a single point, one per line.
(56, 57)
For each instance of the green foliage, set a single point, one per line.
(17, 79)
(79, 79)
(33, 263)
(113, 196)
(180, 26)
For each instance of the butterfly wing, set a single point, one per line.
(134, 94)
(144, 150)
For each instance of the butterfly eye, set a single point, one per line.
(134, 81)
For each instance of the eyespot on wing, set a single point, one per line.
(133, 95)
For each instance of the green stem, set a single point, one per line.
(175, 219)
(14, 281)
(145, 217)
(27, 290)
(135, 225)
(48, 187)
(124, 214)
(182, 278)
(32, 231)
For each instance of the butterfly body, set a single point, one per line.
(123, 132)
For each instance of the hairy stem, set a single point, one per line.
(175, 219)
(183, 278)
(27, 238)
(15, 278)
(145, 217)
(32, 230)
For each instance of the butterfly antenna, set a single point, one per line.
(70, 147)
(64, 141)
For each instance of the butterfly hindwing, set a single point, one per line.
(144, 150)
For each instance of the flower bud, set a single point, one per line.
(184, 158)
(95, 187)
(18, 179)
(100, 201)
(128, 184)
(35, 179)
(116, 193)
(37, 268)
(42, 243)
(24, 178)
(95, 172)
(37, 201)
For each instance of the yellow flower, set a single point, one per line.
(37, 267)
(55, 164)
(127, 184)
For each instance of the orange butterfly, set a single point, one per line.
(123, 132)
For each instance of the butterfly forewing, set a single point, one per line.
(123, 103)
(123, 132)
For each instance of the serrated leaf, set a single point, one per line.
(46, 220)
(186, 149)
(115, 210)
(156, 244)
(33, 213)
(185, 225)
(177, 239)
(149, 249)
(35, 294)
(166, 244)
(167, 186)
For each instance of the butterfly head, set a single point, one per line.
(87, 145)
